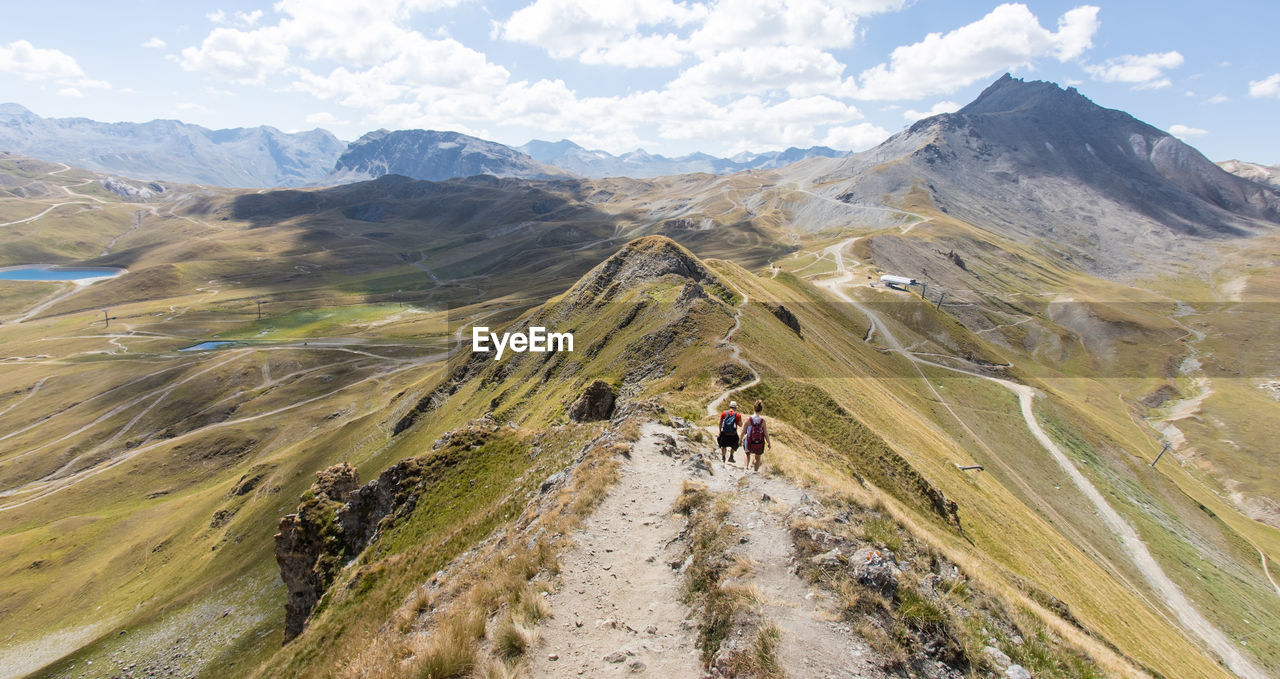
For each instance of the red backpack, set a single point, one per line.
(755, 432)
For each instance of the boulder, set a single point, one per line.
(596, 403)
(876, 570)
(788, 319)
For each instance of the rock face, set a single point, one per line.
(434, 156)
(1263, 174)
(309, 547)
(596, 403)
(595, 163)
(1035, 162)
(335, 521)
(788, 319)
(172, 150)
(641, 260)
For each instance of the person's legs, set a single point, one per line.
(756, 464)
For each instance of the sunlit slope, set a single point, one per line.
(644, 322)
(1006, 534)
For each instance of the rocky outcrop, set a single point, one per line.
(595, 403)
(788, 319)
(338, 517)
(310, 550)
(639, 261)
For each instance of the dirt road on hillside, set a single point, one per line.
(1190, 618)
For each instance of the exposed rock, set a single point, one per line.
(1016, 672)
(784, 314)
(124, 189)
(732, 374)
(336, 482)
(997, 657)
(641, 260)
(309, 552)
(875, 569)
(596, 403)
(338, 518)
(1157, 398)
(615, 657)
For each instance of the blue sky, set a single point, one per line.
(719, 76)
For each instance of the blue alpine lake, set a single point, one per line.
(57, 273)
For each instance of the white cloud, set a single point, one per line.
(603, 32)
(797, 70)
(325, 30)
(238, 56)
(663, 32)
(814, 23)
(155, 43)
(1183, 132)
(1267, 87)
(1145, 71)
(23, 59)
(855, 137)
(1009, 37)
(324, 118)
(88, 84)
(70, 92)
(1219, 99)
(656, 51)
(913, 115)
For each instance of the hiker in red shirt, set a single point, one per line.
(728, 438)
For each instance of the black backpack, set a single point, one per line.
(729, 422)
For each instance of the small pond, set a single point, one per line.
(57, 273)
(206, 346)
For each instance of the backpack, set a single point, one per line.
(755, 435)
(729, 422)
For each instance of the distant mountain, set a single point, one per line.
(640, 164)
(434, 156)
(1263, 174)
(172, 150)
(1042, 164)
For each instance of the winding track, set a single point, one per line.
(1191, 618)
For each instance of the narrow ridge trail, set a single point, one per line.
(617, 610)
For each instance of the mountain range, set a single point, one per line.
(264, 156)
(172, 150)
(262, 443)
(640, 164)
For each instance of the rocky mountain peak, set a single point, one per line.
(1009, 94)
(434, 155)
(641, 260)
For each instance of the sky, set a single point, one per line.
(717, 76)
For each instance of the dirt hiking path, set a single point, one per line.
(814, 642)
(618, 611)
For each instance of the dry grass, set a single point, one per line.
(760, 661)
(441, 633)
